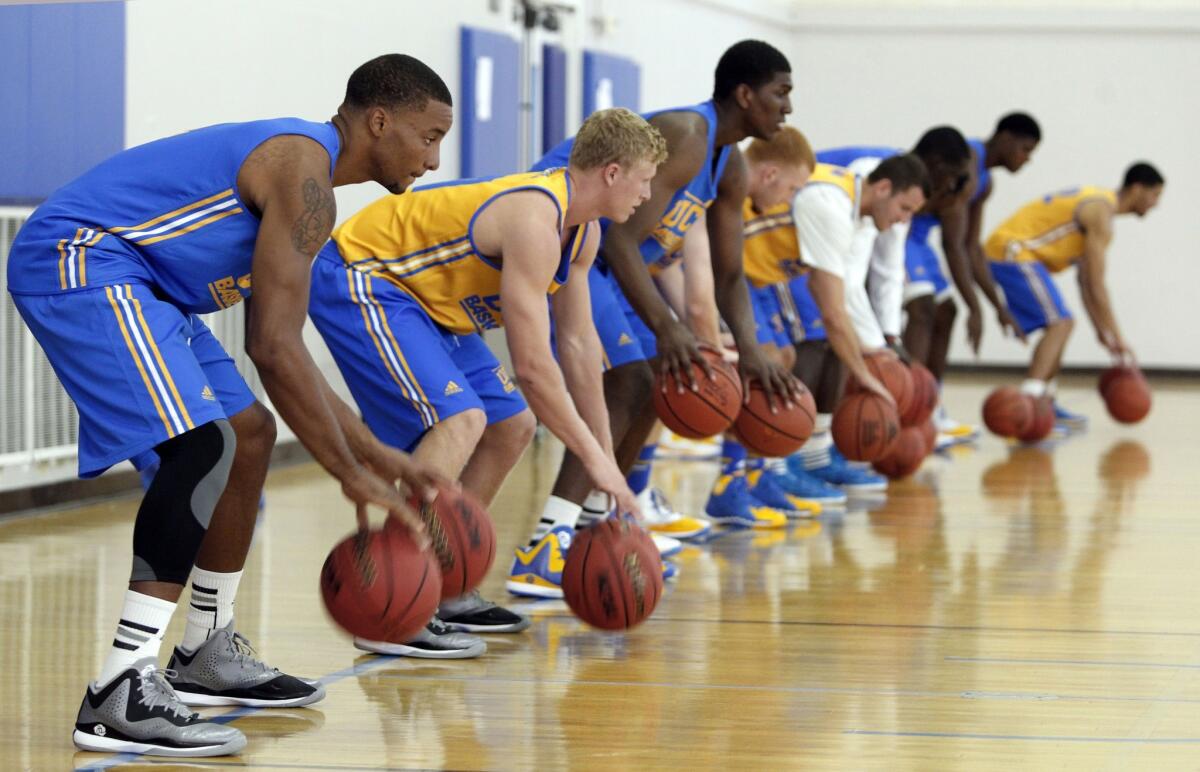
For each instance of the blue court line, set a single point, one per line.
(233, 715)
(1098, 662)
(1030, 737)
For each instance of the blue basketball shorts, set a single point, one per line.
(139, 369)
(404, 370)
(1031, 294)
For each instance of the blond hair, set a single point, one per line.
(617, 136)
(788, 147)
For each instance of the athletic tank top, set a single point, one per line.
(1046, 229)
(167, 214)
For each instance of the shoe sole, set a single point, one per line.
(196, 700)
(681, 534)
(866, 488)
(402, 650)
(533, 591)
(90, 742)
(733, 522)
(515, 627)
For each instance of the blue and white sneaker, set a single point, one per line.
(537, 570)
(765, 489)
(667, 547)
(798, 482)
(1069, 419)
(730, 504)
(849, 478)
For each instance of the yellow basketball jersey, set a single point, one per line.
(840, 177)
(423, 242)
(1046, 229)
(770, 251)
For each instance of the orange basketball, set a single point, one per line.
(904, 456)
(1113, 372)
(929, 432)
(1127, 397)
(1043, 419)
(1007, 412)
(864, 426)
(705, 412)
(775, 434)
(894, 376)
(462, 537)
(379, 585)
(925, 396)
(612, 577)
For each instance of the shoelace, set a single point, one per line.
(438, 627)
(476, 602)
(244, 654)
(662, 503)
(156, 691)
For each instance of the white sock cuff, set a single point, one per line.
(597, 503)
(823, 423)
(147, 610)
(1034, 387)
(212, 580)
(560, 511)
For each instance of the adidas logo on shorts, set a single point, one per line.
(624, 340)
(452, 388)
(207, 393)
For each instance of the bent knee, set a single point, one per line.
(513, 433)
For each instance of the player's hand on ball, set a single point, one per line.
(677, 349)
(364, 487)
(608, 478)
(781, 387)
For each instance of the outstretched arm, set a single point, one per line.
(288, 183)
(954, 245)
(526, 237)
(1096, 220)
(725, 228)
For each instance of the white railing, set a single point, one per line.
(38, 422)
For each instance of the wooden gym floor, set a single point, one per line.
(1009, 607)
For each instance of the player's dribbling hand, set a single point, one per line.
(780, 386)
(608, 478)
(1009, 323)
(875, 386)
(364, 487)
(677, 349)
(974, 330)
(419, 479)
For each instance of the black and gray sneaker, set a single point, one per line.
(139, 712)
(436, 641)
(470, 613)
(224, 671)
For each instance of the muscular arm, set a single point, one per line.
(699, 288)
(979, 264)
(523, 229)
(1096, 220)
(954, 221)
(288, 183)
(725, 228)
(828, 290)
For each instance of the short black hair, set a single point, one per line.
(1020, 125)
(904, 171)
(395, 80)
(752, 62)
(1142, 173)
(945, 144)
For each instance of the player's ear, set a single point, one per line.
(378, 120)
(610, 174)
(743, 94)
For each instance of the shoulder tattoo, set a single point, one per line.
(314, 224)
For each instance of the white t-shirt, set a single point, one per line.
(836, 238)
(886, 274)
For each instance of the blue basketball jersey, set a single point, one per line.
(166, 214)
(983, 176)
(688, 203)
(844, 156)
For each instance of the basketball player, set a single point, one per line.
(909, 286)
(109, 274)
(404, 290)
(777, 170)
(1049, 235)
(704, 170)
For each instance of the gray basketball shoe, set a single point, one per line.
(224, 671)
(139, 712)
(436, 641)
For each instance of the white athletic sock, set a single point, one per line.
(139, 633)
(211, 607)
(815, 452)
(1051, 387)
(775, 466)
(558, 511)
(1034, 387)
(595, 508)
